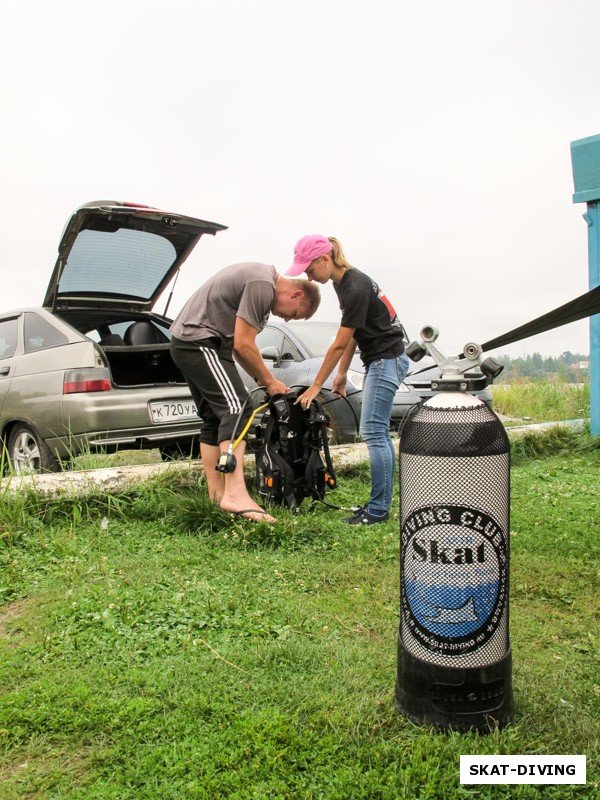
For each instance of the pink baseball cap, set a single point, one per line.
(306, 250)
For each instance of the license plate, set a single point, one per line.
(172, 410)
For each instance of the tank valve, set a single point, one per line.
(466, 372)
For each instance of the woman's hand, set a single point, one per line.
(339, 383)
(343, 345)
(308, 396)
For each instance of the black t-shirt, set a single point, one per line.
(377, 329)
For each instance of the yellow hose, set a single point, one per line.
(245, 431)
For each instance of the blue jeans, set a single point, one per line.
(382, 379)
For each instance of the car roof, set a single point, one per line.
(113, 253)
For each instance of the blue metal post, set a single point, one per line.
(585, 159)
(592, 217)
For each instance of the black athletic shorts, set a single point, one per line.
(215, 384)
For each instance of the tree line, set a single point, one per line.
(568, 367)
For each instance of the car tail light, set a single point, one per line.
(86, 380)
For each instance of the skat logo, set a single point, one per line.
(433, 552)
(454, 584)
(454, 616)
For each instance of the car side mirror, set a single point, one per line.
(271, 354)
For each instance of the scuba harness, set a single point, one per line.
(289, 464)
(288, 444)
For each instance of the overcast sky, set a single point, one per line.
(432, 138)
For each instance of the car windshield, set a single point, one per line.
(127, 262)
(316, 336)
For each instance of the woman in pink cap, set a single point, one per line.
(370, 323)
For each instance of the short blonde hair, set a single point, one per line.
(312, 296)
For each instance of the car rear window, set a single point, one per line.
(41, 334)
(8, 337)
(122, 262)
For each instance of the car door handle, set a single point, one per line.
(4, 370)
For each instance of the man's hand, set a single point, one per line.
(248, 356)
(274, 387)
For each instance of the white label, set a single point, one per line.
(523, 769)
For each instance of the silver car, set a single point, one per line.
(295, 351)
(91, 369)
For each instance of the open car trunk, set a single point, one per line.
(142, 365)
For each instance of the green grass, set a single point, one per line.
(152, 647)
(559, 440)
(542, 401)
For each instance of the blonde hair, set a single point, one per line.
(337, 254)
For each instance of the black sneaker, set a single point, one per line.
(362, 517)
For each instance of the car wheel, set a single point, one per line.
(28, 453)
(176, 452)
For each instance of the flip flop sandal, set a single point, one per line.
(248, 511)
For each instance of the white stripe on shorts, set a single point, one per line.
(222, 378)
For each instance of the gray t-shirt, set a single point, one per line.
(241, 290)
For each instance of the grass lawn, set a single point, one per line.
(542, 401)
(152, 648)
